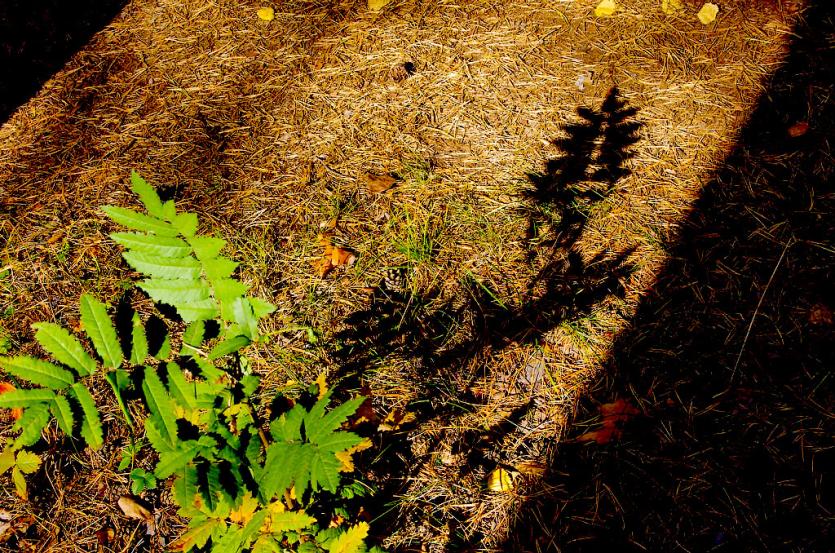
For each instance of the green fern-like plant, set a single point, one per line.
(243, 485)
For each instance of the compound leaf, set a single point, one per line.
(26, 398)
(175, 292)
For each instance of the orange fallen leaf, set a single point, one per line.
(798, 129)
(379, 183)
(17, 412)
(332, 256)
(613, 415)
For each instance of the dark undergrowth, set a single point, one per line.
(729, 358)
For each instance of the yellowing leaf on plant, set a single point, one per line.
(671, 6)
(605, 8)
(395, 419)
(197, 536)
(17, 412)
(243, 513)
(500, 480)
(351, 541)
(322, 382)
(708, 13)
(266, 14)
(19, 483)
(377, 5)
(346, 457)
(27, 462)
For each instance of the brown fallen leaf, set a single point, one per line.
(134, 507)
(531, 468)
(613, 416)
(379, 183)
(820, 314)
(105, 535)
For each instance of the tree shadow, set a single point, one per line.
(37, 37)
(441, 337)
(728, 358)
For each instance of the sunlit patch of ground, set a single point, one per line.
(544, 159)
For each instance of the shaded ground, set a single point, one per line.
(729, 357)
(37, 37)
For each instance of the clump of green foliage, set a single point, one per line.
(243, 485)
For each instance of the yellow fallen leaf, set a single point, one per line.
(377, 5)
(605, 8)
(266, 14)
(670, 6)
(708, 13)
(395, 419)
(500, 480)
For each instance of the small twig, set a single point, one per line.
(757, 309)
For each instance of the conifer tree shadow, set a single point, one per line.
(565, 286)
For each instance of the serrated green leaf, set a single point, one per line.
(290, 521)
(99, 328)
(266, 544)
(206, 247)
(138, 341)
(320, 428)
(175, 292)
(27, 462)
(182, 391)
(139, 221)
(64, 347)
(260, 307)
(193, 336)
(26, 398)
(175, 460)
(230, 541)
(230, 345)
(37, 371)
(147, 195)
(169, 210)
(242, 314)
(286, 465)
(164, 351)
(352, 541)
(91, 429)
(198, 534)
(228, 290)
(253, 528)
(205, 310)
(62, 411)
(163, 246)
(19, 483)
(31, 425)
(186, 224)
(155, 265)
(287, 427)
(185, 487)
(219, 268)
(160, 406)
(214, 495)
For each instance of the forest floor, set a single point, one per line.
(591, 294)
